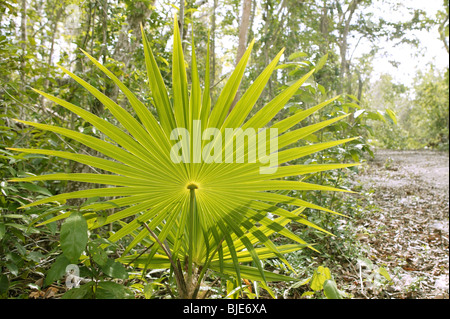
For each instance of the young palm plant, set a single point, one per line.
(193, 215)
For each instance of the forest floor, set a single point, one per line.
(406, 231)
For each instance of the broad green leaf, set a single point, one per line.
(392, 115)
(353, 97)
(351, 104)
(330, 289)
(114, 269)
(12, 267)
(321, 274)
(57, 270)
(308, 293)
(320, 64)
(112, 290)
(381, 115)
(98, 255)
(85, 291)
(296, 55)
(74, 236)
(37, 189)
(301, 283)
(2, 230)
(382, 271)
(4, 284)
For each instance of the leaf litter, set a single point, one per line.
(406, 227)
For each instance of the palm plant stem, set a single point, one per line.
(205, 267)
(191, 230)
(176, 267)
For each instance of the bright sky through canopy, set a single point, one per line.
(430, 50)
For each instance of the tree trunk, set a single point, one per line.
(181, 22)
(243, 32)
(23, 39)
(213, 45)
(324, 24)
(345, 20)
(251, 35)
(104, 52)
(271, 33)
(54, 31)
(243, 29)
(23, 26)
(124, 49)
(442, 36)
(360, 87)
(44, 101)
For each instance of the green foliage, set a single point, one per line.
(23, 246)
(89, 275)
(57, 270)
(430, 115)
(422, 112)
(74, 236)
(322, 285)
(100, 290)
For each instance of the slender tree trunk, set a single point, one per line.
(324, 24)
(23, 26)
(181, 19)
(213, 45)
(54, 31)
(182, 25)
(243, 29)
(104, 52)
(23, 38)
(243, 32)
(93, 26)
(344, 21)
(76, 167)
(50, 54)
(442, 36)
(251, 35)
(271, 33)
(125, 48)
(267, 21)
(360, 87)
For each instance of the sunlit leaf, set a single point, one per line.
(193, 212)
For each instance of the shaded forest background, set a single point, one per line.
(38, 35)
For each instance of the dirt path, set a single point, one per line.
(409, 234)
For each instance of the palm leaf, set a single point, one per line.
(208, 214)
